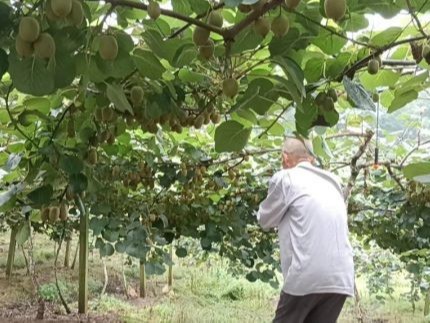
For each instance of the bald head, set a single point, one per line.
(294, 151)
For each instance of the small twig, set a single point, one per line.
(394, 177)
(415, 18)
(418, 146)
(346, 134)
(274, 121)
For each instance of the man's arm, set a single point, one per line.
(273, 208)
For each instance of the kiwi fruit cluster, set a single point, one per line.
(30, 41)
(55, 213)
(326, 100)
(335, 9)
(70, 11)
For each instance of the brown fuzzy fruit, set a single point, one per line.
(107, 114)
(215, 19)
(64, 211)
(280, 26)
(230, 87)
(54, 214)
(92, 156)
(335, 9)
(262, 26)
(49, 13)
(111, 138)
(198, 122)
(215, 117)
(61, 8)
(108, 47)
(207, 50)
(154, 10)
(320, 98)
(71, 128)
(328, 104)
(332, 93)
(44, 214)
(200, 36)
(29, 29)
(244, 8)
(373, 66)
(24, 49)
(375, 97)
(76, 16)
(292, 4)
(44, 47)
(136, 95)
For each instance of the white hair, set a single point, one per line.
(297, 147)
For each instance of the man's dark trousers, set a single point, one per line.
(312, 308)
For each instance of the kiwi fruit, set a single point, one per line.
(92, 156)
(375, 97)
(280, 26)
(373, 66)
(207, 50)
(230, 87)
(258, 5)
(332, 94)
(71, 128)
(44, 214)
(49, 13)
(24, 49)
(328, 104)
(29, 29)
(76, 16)
(292, 4)
(207, 118)
(215, 117)
(104, 135)
(111, 138)
(154, 10)
(61, 8)
(54, 214)
(116, 171)
(200, 36)
(262, 26)
(136, 95)
(244, 8)
(335, 9)
(107, 114)
(64, 212)
(320, 98)
(44, 47)
(215, 19)
(108, 47)
(198, 122)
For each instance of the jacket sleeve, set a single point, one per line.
(274, 207)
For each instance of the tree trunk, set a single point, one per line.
(67, 255)
(83, 257)
(11, 252)
(142, 289)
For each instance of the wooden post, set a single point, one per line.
(142, 288)
(83, 257)
(11, 252)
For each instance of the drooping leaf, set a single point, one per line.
(23, 233)
(231, 136)
(41, 195)
(115, 94)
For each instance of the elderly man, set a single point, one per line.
(306, 204)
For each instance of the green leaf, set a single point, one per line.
(181, 252)
(358, 95)
(245, 40)
(293, 72)
(186, 75)
(182, 7)
(41, 195)
(39, 104)
(148, 64)
(401, 99)
(31, 75)
(259, 103)
(71, 164)
(329, 43)
(12, 162)
(280, 46)
(383, 78)
(106, 249)
(412, 171)
(115, 94)
(110, 235)
(386, 37)
(314, 69)
(8, 198)
(23, 234)
(231, 136)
